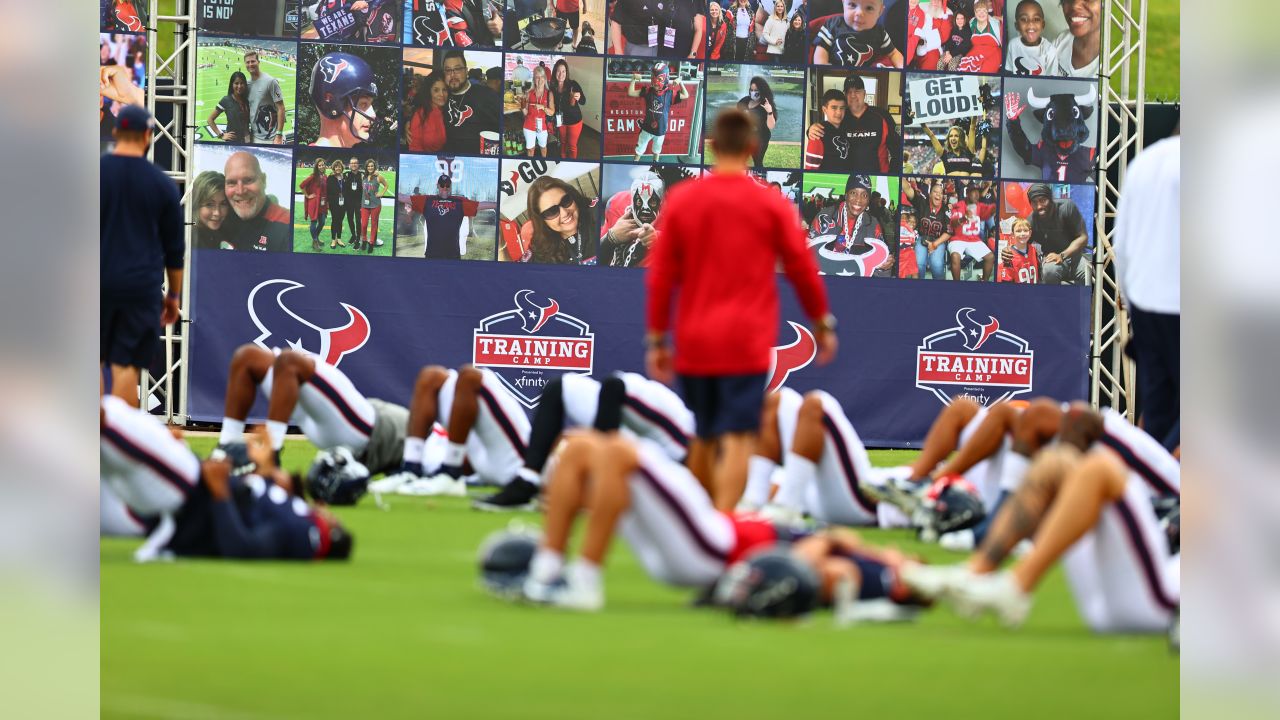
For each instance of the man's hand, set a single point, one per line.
(646, 234)
(657, 363)
(495, 24)
(1054, 258)
(626, 229)
(115, 82)
(827, 344)
(359, 5)
(816, 132)
(279, 139)
(171, 311)
(216, 475)
(231, 136)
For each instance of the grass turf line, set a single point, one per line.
(404, 631)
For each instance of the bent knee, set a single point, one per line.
(294, 362)
(431, 376)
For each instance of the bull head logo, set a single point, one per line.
(791, 357)
(533, 314)
(975, 334)
(279, 326)
(332, 67)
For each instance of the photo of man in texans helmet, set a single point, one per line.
(352, 94)
(356, 21)
(850, 233)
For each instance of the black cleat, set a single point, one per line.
(519, 494)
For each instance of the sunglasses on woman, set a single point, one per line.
(553, 212)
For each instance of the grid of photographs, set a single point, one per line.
(924, 139)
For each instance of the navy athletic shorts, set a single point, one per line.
(724, 403)
(130, 331)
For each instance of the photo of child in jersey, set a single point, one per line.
(559, 26)
(353, 214)
(773, 97)
(953, 228)
(857, 33)
(245, 90)
(955, 35)
(1054, 39)
(550, 212)
(633, 196)
(846, 219)
(1044, 235)
(256, 189)
(122, 77)
(454, 23)
(453, 101)
(852, 125)
(352, 21)
(551, 106)
(670, 29)
(951, 125)
(447, 207)
(1051, 130)
(252, 18)
(652, 111)
(123, 16)
(349, 95)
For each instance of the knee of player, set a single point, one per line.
(615, 452)
(811, 407)
(578, 448)
(291, 361)
(962, 409)
(1104, 467)
(430, 377)
(470, 377)
(1041, 416)
(251, 355)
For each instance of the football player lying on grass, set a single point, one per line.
(206, 509)
(657, 505)
(1087, 500)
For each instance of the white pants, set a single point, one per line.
(330, 411)
(142, 464)
(535, 138)
(115, 519)
(973, 248)
(675, 532)
(650, 410)
(1120, 573)
(985, 476)
(1142, 454)
(496, 444)
(645, 138)
(836, 496)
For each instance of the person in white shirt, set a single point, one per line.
(1029, 53)
(775, 29)
(1077, 50)
(1147, 235)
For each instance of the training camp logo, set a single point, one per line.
(532, 344)
(975, 360)
(280, 327)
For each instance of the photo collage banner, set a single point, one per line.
(943, 139)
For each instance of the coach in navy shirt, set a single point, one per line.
(141, 242)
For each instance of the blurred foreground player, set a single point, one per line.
(722, 265)
(141, 244)
(206, 509)
(1087, 500)
(642, 407)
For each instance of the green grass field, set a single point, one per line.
(212, 84)
(302, 231)
(403, 631)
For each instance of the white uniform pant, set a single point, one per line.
(330, 411)
(497, 442)
(142, 464)
(650, 410)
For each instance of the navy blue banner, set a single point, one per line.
(906, 348)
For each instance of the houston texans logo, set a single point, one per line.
(975, 334)
(425, 29)
(532, 314)
(841, 144)
(459, 113)
(266, 306)
(129, 21)
(332, 67)
(791, 357)
(851, 53)
(1022, 69)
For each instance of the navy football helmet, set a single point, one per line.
(769, 584)
(338, 81)
(505, 556)
(951, 503)
(337, 478)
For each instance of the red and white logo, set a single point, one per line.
(974, 359)
(279, 326)
(532, 344)
(791, 357)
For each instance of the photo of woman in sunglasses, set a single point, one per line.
(549, 212)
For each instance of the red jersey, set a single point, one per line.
(426, 131)
(127, 17)
(318, 205)
(536, 119)
(722, 264)
(567, 6)
(906, 252)
(750, 531)
(1023, 268)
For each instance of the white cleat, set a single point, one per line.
(958, 541)
(392, 483)
(782, 515)
(577, 595)
(874, 611)
(934, 581)
(997, 594)
(540, 592)
(439, 485)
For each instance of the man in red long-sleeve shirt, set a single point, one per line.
(722, 265)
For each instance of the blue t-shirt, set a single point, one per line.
(140, 231)
(657, 109)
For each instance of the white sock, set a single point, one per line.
(529, 475)
(759, 472)
(586, 574)
(1013, 470)
(232, 431)
(546, 565)
(799, 473)
(413, 447)
(454, 454)
(276, 431)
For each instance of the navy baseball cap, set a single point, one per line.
(857, 181)
(134, 118)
